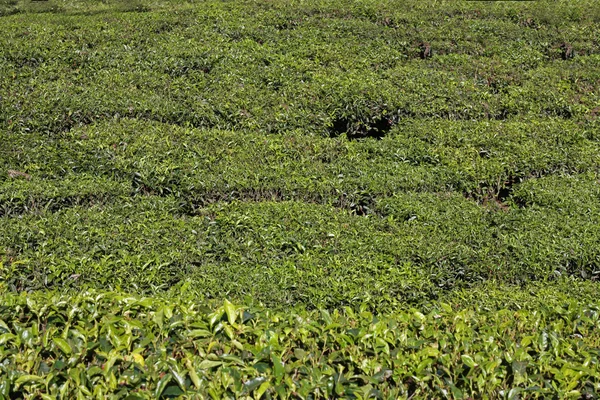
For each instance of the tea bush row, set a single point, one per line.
(101, 344)
(291, 253)
(323, 69)
(482, 159)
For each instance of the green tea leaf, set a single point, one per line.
(208, 364)
(230, 310)
(27, 379)
(162, 385)
(63, 345)
(468, 360)
(278, 368)
(254, 383)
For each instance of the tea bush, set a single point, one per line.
(389, 223)
(96, 344)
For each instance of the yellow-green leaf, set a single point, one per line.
(230, 311)
(63, 345)
(469, 362)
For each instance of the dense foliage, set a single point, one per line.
(90, 345)
(401, 196)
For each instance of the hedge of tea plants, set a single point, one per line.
(96, 345)
(316, 199)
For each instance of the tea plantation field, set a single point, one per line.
(299, 199)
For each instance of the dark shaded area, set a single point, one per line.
(375, 128)
(567, 51)
(505, 192)
(186, 66)
(15, 207)
(497, 194)
(357, 203)
(425, 50)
